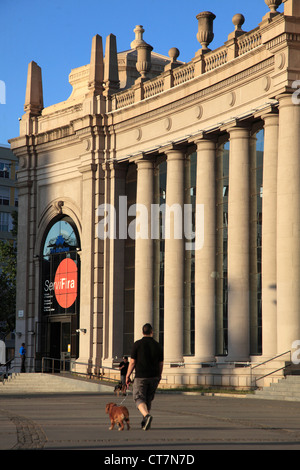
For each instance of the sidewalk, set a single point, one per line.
(186, 422)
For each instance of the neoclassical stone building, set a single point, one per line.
(166, 192)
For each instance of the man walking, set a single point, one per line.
(147, 360)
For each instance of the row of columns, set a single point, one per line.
(280, 242)
(238, 252)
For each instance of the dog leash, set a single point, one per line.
(125, 396)
(123, 400)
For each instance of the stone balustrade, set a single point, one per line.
(239, 45)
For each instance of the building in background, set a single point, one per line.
(166, 193)
(8, 217)
(8, 191)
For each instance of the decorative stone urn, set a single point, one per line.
(273, 4)
(143, 64)
(205, 33)
(139, 31)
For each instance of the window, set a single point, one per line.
(62, 237)
(4, 196)
(60, 269)
(5, 222)
(4, 170)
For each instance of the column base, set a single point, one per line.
(199, 361)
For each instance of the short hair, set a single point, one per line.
(147, 329)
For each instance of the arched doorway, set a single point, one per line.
(59, 290)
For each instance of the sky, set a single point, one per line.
(57, 35)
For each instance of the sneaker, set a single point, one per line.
(147, 421)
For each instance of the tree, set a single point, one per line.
(8, 271)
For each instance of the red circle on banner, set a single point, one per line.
(65, 283)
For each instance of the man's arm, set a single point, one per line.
(161, 365)
(130, 370)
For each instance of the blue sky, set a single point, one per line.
(57, 34)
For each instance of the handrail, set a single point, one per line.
(8, 367)
(270, 373)
(271, 359)
(71, 362)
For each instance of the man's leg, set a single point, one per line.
(140, 392)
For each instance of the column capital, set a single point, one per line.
(285, 99)
(238, 131)
(268, 111)
(177, 150)
(144, 164)
(205, 143)
(235, 124)
(204, 137)
(271, 118)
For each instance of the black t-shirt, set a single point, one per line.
(148, 354)
(124, 369)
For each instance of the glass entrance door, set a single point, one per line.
(60, 343)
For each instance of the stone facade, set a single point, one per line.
(218, 135)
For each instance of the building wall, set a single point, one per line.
(8, 191)
(226, 108)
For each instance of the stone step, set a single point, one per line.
(30, 383)
(286, 389)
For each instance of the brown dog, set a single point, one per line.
(117, 415)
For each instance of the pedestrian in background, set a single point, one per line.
(123, 367)
(23, 357)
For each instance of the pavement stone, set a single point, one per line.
(182, 422)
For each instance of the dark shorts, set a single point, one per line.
(123, 379)
(144, 390)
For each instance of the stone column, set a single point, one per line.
(143, 291)
(174, 257)
(288, 224)
(205, 252)
(269, 214)
(238, 246)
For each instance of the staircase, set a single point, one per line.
(30, 383)
(287, 389)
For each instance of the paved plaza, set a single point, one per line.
(181, 422)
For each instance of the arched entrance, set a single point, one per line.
(59, 290)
